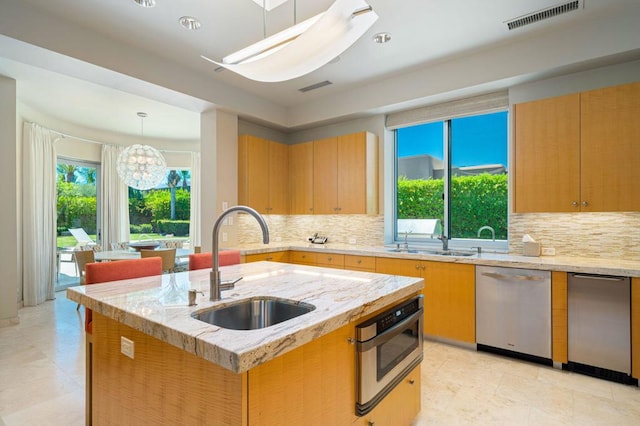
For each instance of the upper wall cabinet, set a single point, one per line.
(263, 179)
(345, 177)
(301, 178)
(579, 152)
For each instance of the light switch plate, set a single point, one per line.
(548, 251)
(127, 347)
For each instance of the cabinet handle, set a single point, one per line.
(412, 382)
(371, 423)
(574, 203)
(423, 267)
(585, 204)
(328, 259)
(358, 261)
(417, 266)
(269, 258)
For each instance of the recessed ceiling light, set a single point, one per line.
(382, 38)
(189, 22)
(146, 3)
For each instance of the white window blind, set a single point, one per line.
(482, 104)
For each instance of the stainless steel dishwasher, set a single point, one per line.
(599, 314)
(513, 312)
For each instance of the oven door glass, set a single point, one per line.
(398, 347)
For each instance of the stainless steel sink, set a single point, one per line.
(254, 313)
(398, 250)
(449, 252)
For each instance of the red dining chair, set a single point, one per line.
(104, 272)
(205, 260)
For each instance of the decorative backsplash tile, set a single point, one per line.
(603, 235)
(366, 229)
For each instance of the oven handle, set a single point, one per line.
(391, 333)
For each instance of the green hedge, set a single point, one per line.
(179, 228)
(159, 204)
(475, 201)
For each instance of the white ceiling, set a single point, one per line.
(96, 63)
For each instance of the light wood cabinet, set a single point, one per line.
(405, 395)
(449, 295)
(313, 384)
(635, 328)
(274, 256)
(360, 263)
(610, 149)
(579, 152)
(345, 178)
(559, 318)
(263, 175)
(330, 260)
(301, 178)
(547, 153)
(303, 257)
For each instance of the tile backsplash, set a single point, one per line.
(603, 235)
(366, 229)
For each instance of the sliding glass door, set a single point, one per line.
(78, 204)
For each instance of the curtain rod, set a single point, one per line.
(64, 135)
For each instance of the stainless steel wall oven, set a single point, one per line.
(389, 346)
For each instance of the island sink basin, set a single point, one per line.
(254, 313)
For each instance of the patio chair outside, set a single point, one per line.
(81, 237)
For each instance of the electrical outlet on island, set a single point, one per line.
(548, 251)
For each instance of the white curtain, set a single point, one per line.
(39, 214)
(115, 200)
(194, 219)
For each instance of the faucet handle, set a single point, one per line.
(229, 284)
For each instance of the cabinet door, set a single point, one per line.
(278, 178)
(352, 190)
(406, 267)
(253, 172)
(400, 407)
(274, 256)
(360, 263)
(610, 149)
(547, 152)
(450, 301)
(325, 176)
(303, 257)
(301, 178)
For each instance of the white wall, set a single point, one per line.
(10, 234)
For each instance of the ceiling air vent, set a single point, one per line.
(315, 86)
(544, 14)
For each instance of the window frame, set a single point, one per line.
(455, 243)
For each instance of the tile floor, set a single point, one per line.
(42, 382)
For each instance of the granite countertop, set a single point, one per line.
(158, 307)
(583, 264)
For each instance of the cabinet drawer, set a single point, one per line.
(276, 256)
(361, 263)
(330, 259)
(303, 257)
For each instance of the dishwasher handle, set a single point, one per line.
(599, 277)
(499, 276)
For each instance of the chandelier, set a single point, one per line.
(141, 166)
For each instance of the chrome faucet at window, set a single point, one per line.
(482, 228)
(216, 283)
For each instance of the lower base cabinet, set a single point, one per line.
(404, 395)
(274, 256)
(314, 384)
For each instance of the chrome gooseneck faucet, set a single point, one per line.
(482, 228)
(216, 283)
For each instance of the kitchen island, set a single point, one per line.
(186, 371)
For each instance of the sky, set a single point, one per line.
(476, 140)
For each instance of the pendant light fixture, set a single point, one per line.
(141, 166)
(305, 47)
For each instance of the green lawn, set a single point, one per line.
(69, 241)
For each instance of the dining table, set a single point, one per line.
(113, 255)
